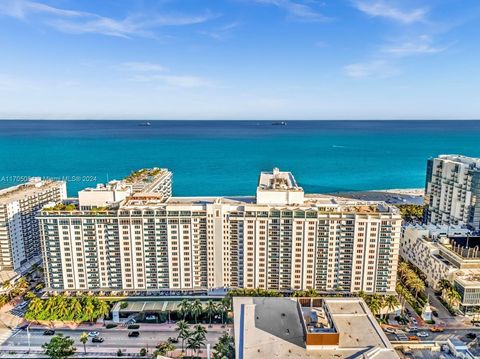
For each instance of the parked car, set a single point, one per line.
(435, 313)
(471, 335)
(23, 326)
(97, 340)
(413, 330)
(389, 330)
(436, 329)
(49, 332)
(414, 321)
(151, 317)
(173, 340)
(22, 305)
(133, 334)
(422, 334)
(413, 337)
(93, 334)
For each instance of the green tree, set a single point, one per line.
(225, 305)
(164, 348)
(30, 296)
(183, 331)
(84, 340)
(375, 304)
(196, 309)
(403, 270)
(184, 308)
(102, 309)
(195, 342)
(223, 349)
(59, 347)
(416, 285)
(211, 309)
(453, 297)
(391, 302)
(62, 306)
(444, 284)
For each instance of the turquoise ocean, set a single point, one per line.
(225, 157)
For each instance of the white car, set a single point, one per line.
(389, 330)
(422, 334)
(93, 334)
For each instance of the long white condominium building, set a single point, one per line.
(19, 235)
(281, 239)
(452, 191)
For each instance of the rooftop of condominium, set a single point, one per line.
(153, 201)
(307, 328)
(473, 161)
(468, 277)
(277, 180)
(25, 190)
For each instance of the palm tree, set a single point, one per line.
(403, 270)
(375, 304)
(62, 307)
(211, 309)
(453, 297)
(391, 302)
(225, 305)
(444, 284)
(417, 286)
(76, 308)
(195, 342)
(196, 309)
(84, 340)
(200, 331)
(35, 306)
(102, 309)
(6, 285)
(184, 308)
(183, 331)
(223, 348)
(22, 283)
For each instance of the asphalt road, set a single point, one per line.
(113, 338)
(443, 336)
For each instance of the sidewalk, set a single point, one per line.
(104, 352)
(143, 326)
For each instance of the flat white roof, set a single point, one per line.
(272, 328)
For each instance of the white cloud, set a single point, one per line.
(382, 8)
(79, 22)
(375, 68)
(184, 81)
(296, 9)
(142, 66)
(420, 46)
(222, 32)
(156, 73)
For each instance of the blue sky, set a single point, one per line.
(240, 59)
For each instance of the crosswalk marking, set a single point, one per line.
(7, 333)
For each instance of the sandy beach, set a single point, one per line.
(392, 196)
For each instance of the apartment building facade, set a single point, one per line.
(452, 191)
(281, 239)
(445, 252)
(19, 232)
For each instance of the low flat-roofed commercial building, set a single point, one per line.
(282, 239)
(19, 233)
(307, 328)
